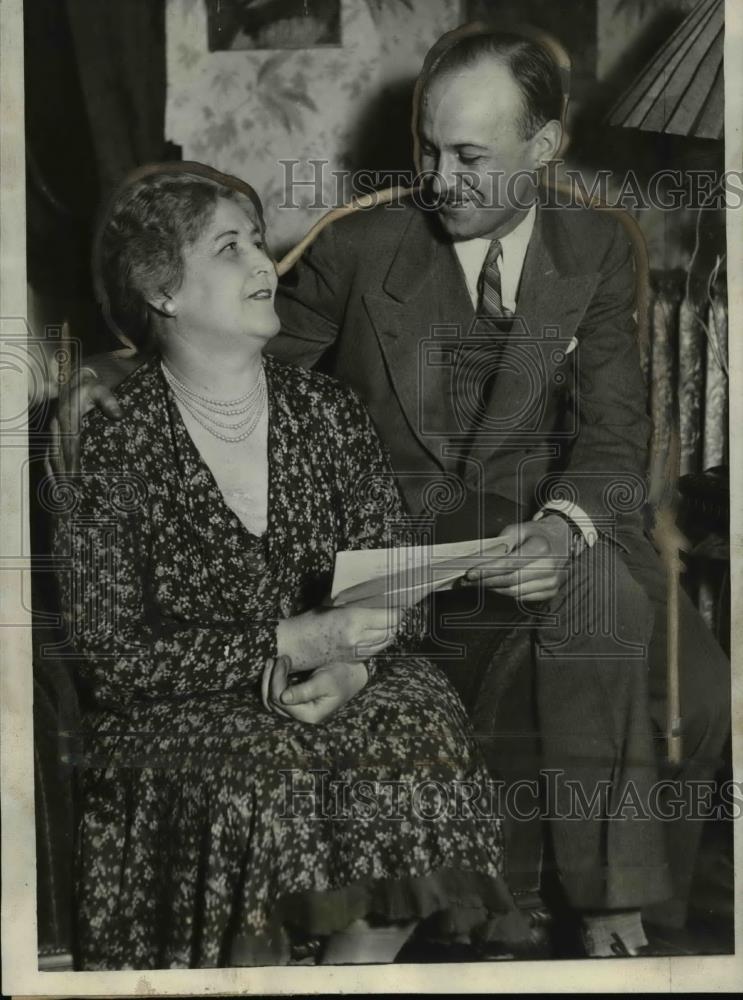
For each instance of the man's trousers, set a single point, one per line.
(588, 718)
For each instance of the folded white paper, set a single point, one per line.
(405, 575)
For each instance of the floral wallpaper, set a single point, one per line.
(243, 112)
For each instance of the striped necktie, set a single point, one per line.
(490, 296)
(478, 363)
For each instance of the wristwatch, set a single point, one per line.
(577, 538)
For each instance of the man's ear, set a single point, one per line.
(546, 143)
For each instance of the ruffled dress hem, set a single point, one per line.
(466, 904)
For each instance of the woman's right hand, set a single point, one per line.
(327, 635)
(328, 689)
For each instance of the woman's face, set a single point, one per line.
(229, 281)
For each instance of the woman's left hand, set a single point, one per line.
(329, 688)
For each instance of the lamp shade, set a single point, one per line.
(682, 90)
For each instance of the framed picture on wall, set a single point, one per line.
(273, 24)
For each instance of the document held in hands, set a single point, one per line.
(376, 578)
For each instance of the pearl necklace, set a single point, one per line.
(205, 410)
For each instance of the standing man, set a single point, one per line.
(493, 339)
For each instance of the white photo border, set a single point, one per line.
(21, 976)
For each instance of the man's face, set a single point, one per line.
(470, 139)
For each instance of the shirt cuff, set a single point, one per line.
(576, 514)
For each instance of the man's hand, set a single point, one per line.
(90, 386)
(316, 699)
(536, 566)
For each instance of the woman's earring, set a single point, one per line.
(169, 308)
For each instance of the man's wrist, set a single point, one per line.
(571, 535)
(577, 515)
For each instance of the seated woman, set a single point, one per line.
(223, 805)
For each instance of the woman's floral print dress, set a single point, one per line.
(204, 816)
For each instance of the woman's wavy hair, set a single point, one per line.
(157, 212)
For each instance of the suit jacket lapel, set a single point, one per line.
(552, 295)
(423, 308)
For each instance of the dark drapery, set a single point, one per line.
(95, 88)
(120, 54)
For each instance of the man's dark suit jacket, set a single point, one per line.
(384, 289)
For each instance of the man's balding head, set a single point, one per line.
(531, 65)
